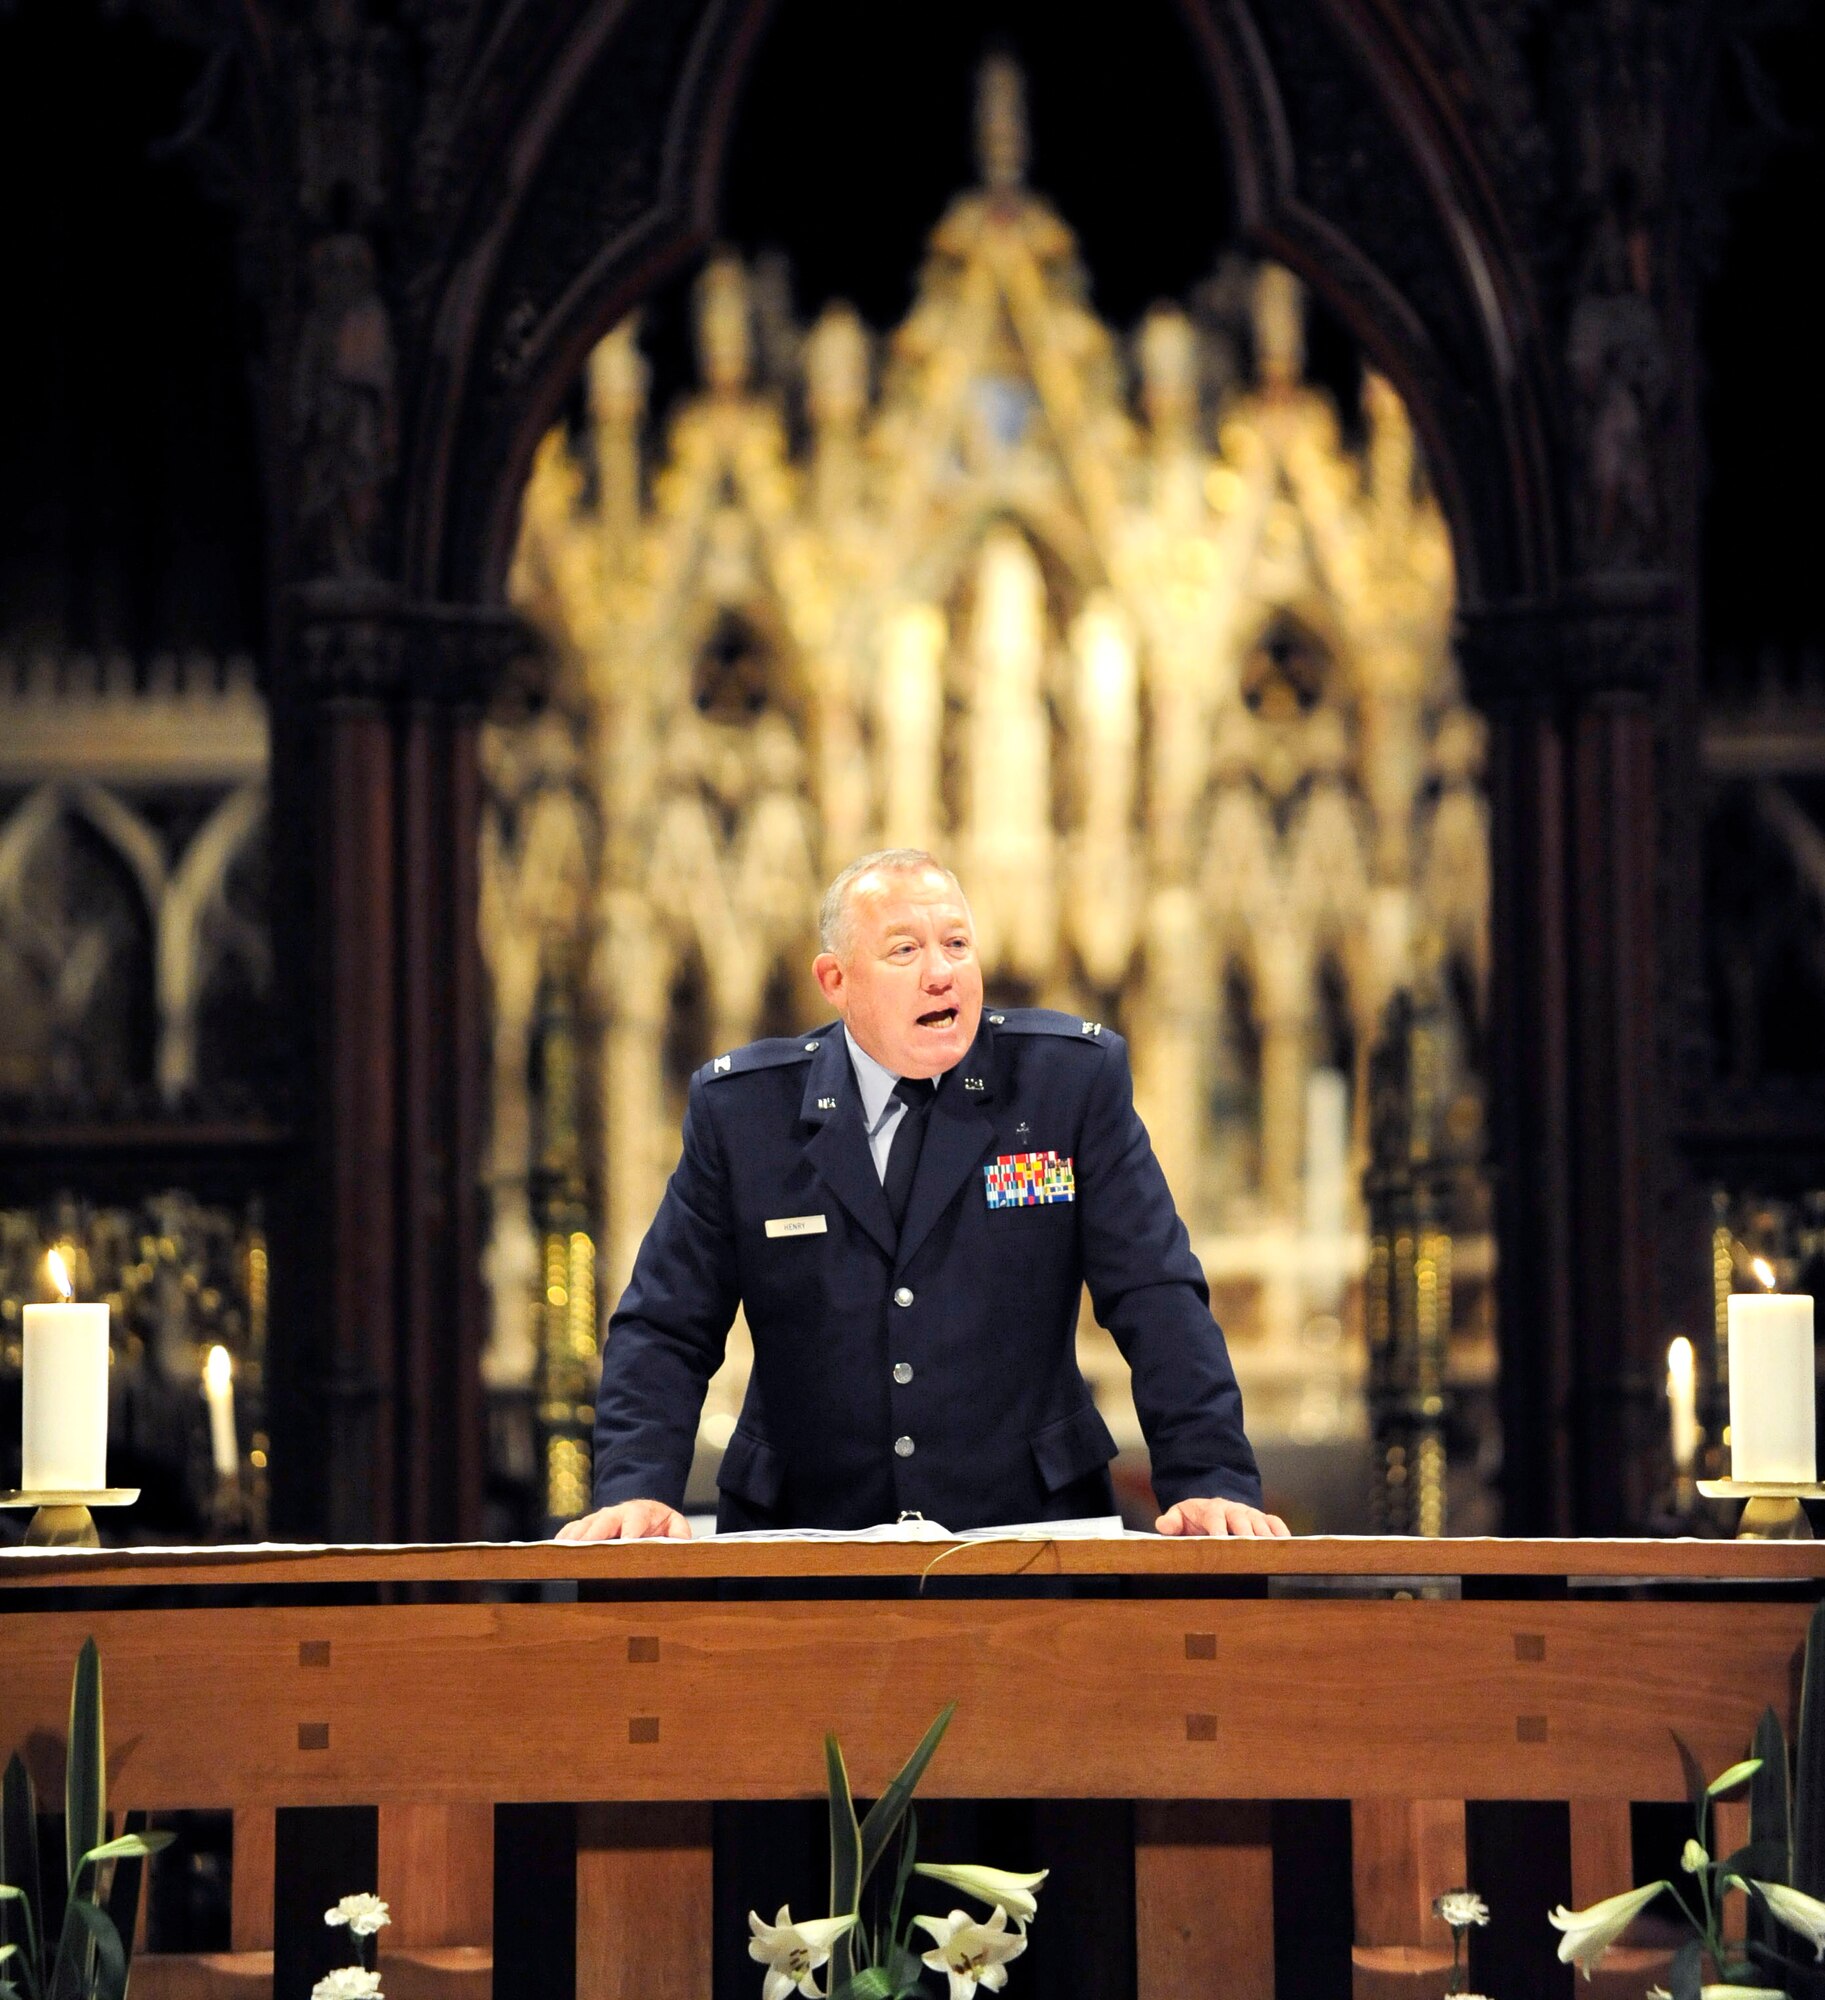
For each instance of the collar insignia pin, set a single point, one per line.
(721, 1063)
(826, 1104)
(1023, 1130)
(972, 1083)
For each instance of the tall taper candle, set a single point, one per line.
(218, 1392)
(1682, 1396)
(1772, 1432)
(65, 1396)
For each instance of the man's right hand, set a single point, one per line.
(628, 1521)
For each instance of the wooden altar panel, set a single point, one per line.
(1204, 1901)
(1071, 1698)
(643, 1873)
(1382, 1559)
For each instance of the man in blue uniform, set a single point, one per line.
(906, 1204)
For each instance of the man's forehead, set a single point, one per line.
(886, 902)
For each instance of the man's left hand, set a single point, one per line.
(1219, 1517)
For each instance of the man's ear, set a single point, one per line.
(827, 970)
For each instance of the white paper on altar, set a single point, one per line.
(1095, 1528)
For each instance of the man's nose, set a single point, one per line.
(935, 973)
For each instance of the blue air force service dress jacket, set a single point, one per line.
(932, 1368)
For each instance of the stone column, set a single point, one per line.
(379, 883)
(1570, 690)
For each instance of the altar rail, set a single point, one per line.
(1317, 1735)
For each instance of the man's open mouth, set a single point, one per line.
(939, 1017)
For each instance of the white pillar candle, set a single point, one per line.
(1771, 1389)
(65, 1441)
(218, 1391)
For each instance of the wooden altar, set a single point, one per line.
(556, 1721)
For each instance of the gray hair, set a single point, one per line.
(833, 917)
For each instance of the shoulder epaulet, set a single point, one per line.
(1045, 1021)
(773, 1053)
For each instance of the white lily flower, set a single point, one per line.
(999, 1887)
(1590, 1933)
(974, 1955)
(1461, 1908)
(793, 1952)
(1693, 1858)
(1798, 1911)
(348, 1982)
(1724, 1992)
(363, 1914)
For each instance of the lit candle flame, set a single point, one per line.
(1764, 1271)
(217, 1371)
(1679, 1359)
(60, 1275)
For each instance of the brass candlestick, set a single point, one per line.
(62, 1519)
(1772, 1512)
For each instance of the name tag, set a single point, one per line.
(798, 1225)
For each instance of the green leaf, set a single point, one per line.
(110, 1974)
(1727, 1781)
(845, 1862)
(1686, 1979)
(906, 1970)
(909, 1852)
(19, 1858)
(869, 1985)
(85, 1782)
(889, 1809)
(132, 1848)
(1809, 1766)
(1769, 1853)
(1755, 1859)
(1695, 1776)
(845, 1841)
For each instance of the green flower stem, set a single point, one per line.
(1702, 1930)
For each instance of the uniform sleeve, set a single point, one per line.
(1148, 1289)
(667, 1335)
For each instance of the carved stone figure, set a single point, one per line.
(345, 411)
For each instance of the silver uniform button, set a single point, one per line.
(903, 1297)
(903, 1447)
(902, 1371)
(810, 1047)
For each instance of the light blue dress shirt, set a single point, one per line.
(881, 1109)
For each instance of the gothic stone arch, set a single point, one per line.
(1401, 161)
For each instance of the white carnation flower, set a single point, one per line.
(364, 1914)
(348, 1982)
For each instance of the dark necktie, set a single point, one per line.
(916, 1093)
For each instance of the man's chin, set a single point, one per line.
(938, 1046)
